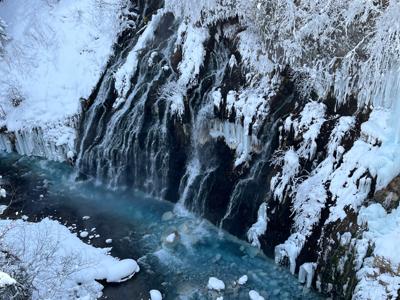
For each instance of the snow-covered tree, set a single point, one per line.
(3, 36)
(350, 47)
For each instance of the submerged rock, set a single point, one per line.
(169, 215)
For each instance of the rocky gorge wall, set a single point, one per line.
(182, 114)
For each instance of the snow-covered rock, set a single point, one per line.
(155, 295)
(379, 276)
(289, 251)
(6, 279)
(254, 295)
(171, 238)
(242, 280)
(83, 234)
(258, 228)
(2, 209)
(215, 284)
(306, 273)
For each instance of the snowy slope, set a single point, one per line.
(59, 265)
(56, 53)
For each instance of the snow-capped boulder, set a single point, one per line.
(215, 284)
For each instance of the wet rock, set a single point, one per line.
(169, 215)
(389, 196)
(276, 292)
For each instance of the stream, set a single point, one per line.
(138, 226)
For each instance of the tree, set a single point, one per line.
(3, 36)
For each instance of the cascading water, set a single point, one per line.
(170, 131)
(122, 144)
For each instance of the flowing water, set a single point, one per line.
(138, 226)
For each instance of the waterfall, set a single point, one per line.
(121, 143)
(179, 116)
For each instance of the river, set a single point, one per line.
(138, 225)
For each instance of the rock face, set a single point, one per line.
(389, 197)
(181, 113)
(193, 126)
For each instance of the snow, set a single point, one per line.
(383, 231)
(192, 41)
(170, 238)
(6, 280)
(242, 280)
(254, 295)
(232, 61)
(193, 51)
(55, 56)
(125, 72)
(290, 250)
(83, 234)
(290, 168)
(310, 195)
(52, 140)
(217, 97)
(85, 218)
(108, 241)
(3, 209)
(376, 153)
(308, 126)
(3, 193)
(236, 137)
(70, 154)
(155, 295)
(306, 273)
(203, 11)
(258, 228)
(215, 284)
(248, 43)
(48, 249)
(121, 270)
(377, 275)
(347, 177)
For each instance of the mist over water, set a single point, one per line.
(138, 226)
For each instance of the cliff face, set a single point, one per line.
(183, 113)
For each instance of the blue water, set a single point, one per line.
(135, 223)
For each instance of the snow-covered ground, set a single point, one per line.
(379, 277)
(55, 56)
(58, 264)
